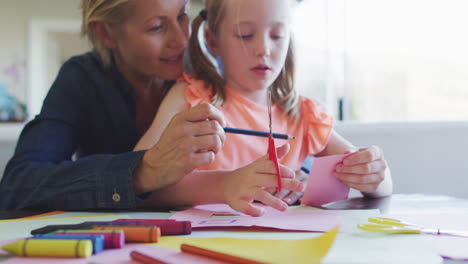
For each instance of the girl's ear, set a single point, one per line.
(102, 33)
(211, 42)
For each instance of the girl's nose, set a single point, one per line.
(263, 47)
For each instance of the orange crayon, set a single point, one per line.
(145, 234)
(216, 255)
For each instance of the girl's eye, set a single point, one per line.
(276, 37)
(245, 36)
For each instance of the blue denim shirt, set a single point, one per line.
(90, 112)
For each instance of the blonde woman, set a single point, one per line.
(98, 108)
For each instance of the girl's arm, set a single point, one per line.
(365, 171)
(173, 103)
(238, 188)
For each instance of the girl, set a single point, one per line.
(253, 40)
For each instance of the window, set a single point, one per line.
(385, 60)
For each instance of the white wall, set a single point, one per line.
(14, 21)
(426, 157)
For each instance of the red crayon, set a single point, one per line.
(168, 228)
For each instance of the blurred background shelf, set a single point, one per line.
(10, 131)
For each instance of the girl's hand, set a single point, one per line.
(288, 196)
(249, 183)
(364, 170)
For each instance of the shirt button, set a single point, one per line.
(116, 197)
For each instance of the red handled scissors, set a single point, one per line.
(271, 145)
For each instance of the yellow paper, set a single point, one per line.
(263, 250)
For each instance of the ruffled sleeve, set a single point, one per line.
(196, 93)
(318, 125)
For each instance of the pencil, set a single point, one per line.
(142, 258)
(256, 133)
(216, 255)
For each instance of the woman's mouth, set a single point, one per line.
(174, 60)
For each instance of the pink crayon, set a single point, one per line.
(112, 238)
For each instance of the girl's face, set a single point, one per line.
(252, 40)
(151, 42)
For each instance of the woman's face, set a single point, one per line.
(151, 42)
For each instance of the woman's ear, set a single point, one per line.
(102, 33)
(211, 42)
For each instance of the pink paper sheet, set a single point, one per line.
(455, 248)
(221, 215)
(117, 256)
(323, 187)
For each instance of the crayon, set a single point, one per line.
(145, 259)
(144, 220)
(168, 228)
(60, 248)
(216, 255)
(139, 234)
(53, 228)
(112, 238)
(98, 240)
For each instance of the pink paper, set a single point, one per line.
(221, 215)
(323, 187)
(455, 248)
(117, 256)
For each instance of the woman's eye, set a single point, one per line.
(156, 28)
(182, 16)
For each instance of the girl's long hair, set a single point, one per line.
(283, 92)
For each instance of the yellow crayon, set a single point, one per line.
(59, 248)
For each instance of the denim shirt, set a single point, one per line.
(89, 112)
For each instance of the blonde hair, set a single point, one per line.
(107, 12)
(282, 90)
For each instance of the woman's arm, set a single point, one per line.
(41, 173)
(366, 171)
(173, 103)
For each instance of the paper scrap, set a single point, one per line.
(322, 186)
(221, 215)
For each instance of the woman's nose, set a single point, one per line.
(179, 37)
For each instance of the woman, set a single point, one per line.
(98, 108)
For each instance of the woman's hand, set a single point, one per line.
(250, 183)
(191, 139)
(364, 170)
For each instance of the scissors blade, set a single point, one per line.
(272, 155)
(446, 232)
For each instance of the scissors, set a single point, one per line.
(271, 144)
(394, 226)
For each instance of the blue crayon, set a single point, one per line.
(98, 240)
